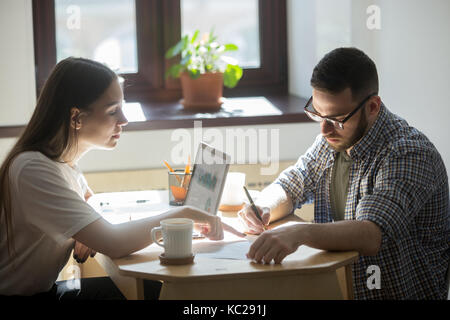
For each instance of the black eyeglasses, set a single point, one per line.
(313, 115)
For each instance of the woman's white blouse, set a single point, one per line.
(48, 209)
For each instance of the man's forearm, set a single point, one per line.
(362, 236)
(275, 198)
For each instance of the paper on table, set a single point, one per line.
(232, 247)
(223, 250)
(236, 249)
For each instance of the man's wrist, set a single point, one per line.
(302, 234)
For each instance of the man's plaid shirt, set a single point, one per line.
(398, 181)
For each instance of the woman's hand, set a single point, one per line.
(81, 252)
(89, 193)
(209, 225)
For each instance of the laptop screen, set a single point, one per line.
(208, 178)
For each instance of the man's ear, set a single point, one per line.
(75, 118)
(374, 105)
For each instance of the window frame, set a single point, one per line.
(159, 22)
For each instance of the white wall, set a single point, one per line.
(148, 149)
(17, 80)
(315, 27)
(411, 51)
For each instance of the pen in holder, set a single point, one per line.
(179, 182)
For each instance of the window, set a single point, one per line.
(102, 30)
(233, 21)
(131, 36)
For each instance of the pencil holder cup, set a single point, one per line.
(178, 187)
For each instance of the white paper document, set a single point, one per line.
(236, 250)
(232, 247)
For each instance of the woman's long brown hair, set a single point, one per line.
(74, 82)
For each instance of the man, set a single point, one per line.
(378, 185)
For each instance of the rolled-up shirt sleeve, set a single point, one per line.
(299, 181)
(50, 204)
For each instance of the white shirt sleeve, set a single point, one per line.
(49, 203)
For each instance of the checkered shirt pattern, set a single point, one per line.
(398, 181)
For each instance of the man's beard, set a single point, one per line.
(360, 131)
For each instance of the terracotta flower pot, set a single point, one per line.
(205, 92)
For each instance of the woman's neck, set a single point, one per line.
(71, 157)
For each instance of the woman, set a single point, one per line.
(44, 214)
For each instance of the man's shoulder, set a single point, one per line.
(400, 138)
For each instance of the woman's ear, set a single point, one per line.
(75, 118)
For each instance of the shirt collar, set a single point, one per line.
(361, 148)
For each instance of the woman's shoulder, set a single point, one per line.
(27, 156)
(30, 157)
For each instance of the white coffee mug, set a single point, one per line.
(177, 237)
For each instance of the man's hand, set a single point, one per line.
(276, 244)
(253, 224)
(81, 252)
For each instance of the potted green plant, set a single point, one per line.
(203, 70)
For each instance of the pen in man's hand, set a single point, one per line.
(252, 204)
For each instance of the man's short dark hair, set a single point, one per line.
(346, 68)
